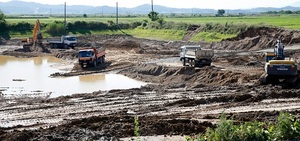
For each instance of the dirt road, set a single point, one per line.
(177, 101)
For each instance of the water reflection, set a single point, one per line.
(34, 73)
(4, 59)
(38, 61)
(92, 78)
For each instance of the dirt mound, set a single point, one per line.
(123, 44)
(255, 60)
(24, 53)
(191, 31)
(35, 48)
(69, 54)
(86, 41)
(28, 51)
(59, 133)
(122, 125)
(187, 75)
(255, 38)
(138, 45)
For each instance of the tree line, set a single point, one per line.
(283, 12)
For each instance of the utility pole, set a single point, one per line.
(152, 5)
(117, 14)
(65, 15)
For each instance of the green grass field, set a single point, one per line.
(73, 19)
(286, 21)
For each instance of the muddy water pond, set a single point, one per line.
(30, 77)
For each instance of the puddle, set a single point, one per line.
(30, 77)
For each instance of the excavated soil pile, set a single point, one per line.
(179, 100)
(139, 45)
(69, 54)
(255, 38)
(255, 60)
(28, 51)
(186, 75)
(57, 134)
(122, 44)
(122, 125)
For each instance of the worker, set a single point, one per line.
(279, 50)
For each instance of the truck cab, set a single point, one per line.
(91, 57)
(70, 40)
(63, 42)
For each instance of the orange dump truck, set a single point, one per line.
(91, 57)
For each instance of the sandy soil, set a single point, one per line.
(178, 100)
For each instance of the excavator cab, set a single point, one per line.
(269, 56)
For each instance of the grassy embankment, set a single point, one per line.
(213, 23)
(285, 128)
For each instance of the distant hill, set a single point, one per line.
(20, 7)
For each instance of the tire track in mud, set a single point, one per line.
(187, 102)
(169, 103)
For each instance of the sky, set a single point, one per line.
(212, 4)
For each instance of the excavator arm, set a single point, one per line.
(36, 34)
(36, 30)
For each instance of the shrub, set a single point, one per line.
(137, 128)
(225, 130)
(250, 131)
(21, 27)
(55, 29)
(135, 24)
(287, 128)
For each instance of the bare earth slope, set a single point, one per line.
(177, 101)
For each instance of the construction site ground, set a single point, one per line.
(177, 100)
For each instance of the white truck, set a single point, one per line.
(195, 56)
(64, 42)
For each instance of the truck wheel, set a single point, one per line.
(51, 46)
(183, 62)
(95, 63)
(192, 63)
(100, 60)
(55, 46)
(65, 46)
(103, 59)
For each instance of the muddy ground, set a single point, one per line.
(177, 101)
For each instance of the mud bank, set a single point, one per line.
(188, 76)
(177, 101)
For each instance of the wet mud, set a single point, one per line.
(177, 100)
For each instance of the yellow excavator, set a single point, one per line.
(279, 68)
(37, 35)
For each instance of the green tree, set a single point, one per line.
(85, 15)
(153, 15)
(161, 21)
(3, 26)
(221, 12)
(56, 29)
(2, 16)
